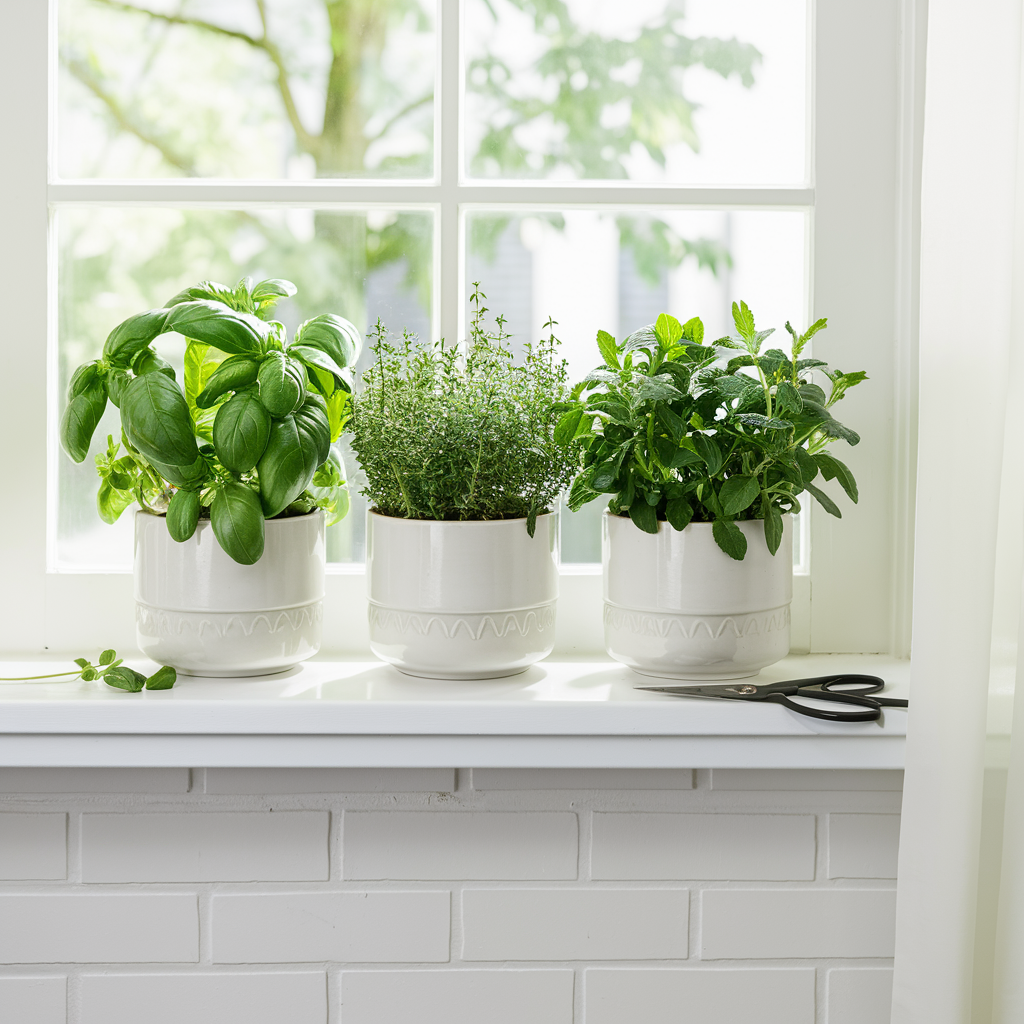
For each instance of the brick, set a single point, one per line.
(709, 996)
(575, 924)
(205, 847)
(460, 845)
(92, 929)
(33, 846)
(797, 779)
(94, 780)
(33, 1000)
(251, 998)
(863, 845)
(582, 778)
(352, 927)
(859, 996)
(330, 780)
(698, 846)
(778, 923)
(457, 997)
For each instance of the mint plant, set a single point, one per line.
(447, 433)
(679, 431)
(247, 438)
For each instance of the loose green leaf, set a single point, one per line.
(107, 657)
(162, 679)
(738, 494)
(124, 678)
(729, 537)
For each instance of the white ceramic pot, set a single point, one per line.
(203, 613)
(677, 606)
(461, 600)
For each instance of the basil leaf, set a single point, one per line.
(332, 334)
(237, 521)
(322, 361)
(287, 466)
(156, 420)
(183, 515)
(729, 537)
(241, 431)
(233, 374)
(282, 384)
(81, 417)
(311, 419)
(274, 287)
(133, 335)
(216, 324)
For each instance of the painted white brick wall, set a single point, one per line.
(352, 896)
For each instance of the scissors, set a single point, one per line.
(842, 688)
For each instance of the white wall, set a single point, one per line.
(358, 896)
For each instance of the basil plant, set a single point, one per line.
(247, 438)
(678, 430)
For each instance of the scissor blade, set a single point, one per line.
(730, 691)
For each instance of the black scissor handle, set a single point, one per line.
(859, 685)
(871, 713)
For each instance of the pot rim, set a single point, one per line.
(706, 526)
(267, 522)
(457, 522)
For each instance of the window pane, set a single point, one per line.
(702, 92)
(116, 261)
(207, 88)
(617, 271)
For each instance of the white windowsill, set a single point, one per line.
(579, 714)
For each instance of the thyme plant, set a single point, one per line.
(450, 434)
(677, 430)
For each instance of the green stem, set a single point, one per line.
(29, 679)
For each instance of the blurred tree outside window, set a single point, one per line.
(656, 92)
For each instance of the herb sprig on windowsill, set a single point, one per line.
(110, 668)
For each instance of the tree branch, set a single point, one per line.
(407, 109)
(81, 70)
(306, 141)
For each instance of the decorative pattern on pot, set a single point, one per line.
(677, 606)
(206, 614)
(461, 600)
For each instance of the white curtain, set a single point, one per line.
(960, 909)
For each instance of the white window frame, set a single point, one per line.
(865, 94)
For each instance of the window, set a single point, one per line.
(588, 160)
